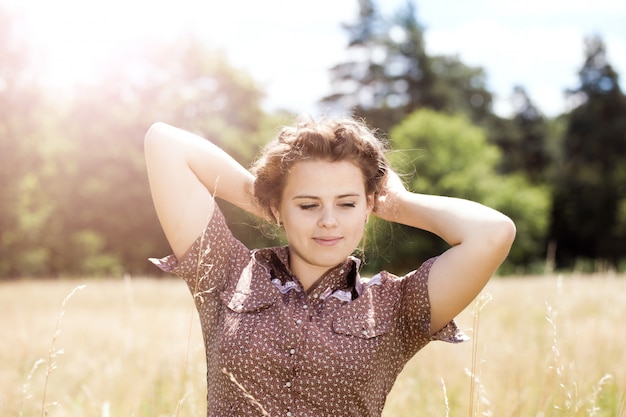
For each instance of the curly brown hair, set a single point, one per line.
(333, 140)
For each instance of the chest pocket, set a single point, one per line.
(363, 326)
(369, 316)
(241, 315)
(362, 337)
(360, 346)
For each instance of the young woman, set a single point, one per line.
(295, 331)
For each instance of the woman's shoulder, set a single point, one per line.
(214, 248)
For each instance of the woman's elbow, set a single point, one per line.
(503, 233)
(154, 132)
(160, 139)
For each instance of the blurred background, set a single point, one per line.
(516, 105)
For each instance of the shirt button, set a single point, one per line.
(298, 321)
(305, 307)
(289, 414)
(288, 384)
(292, 351)
(315, 295)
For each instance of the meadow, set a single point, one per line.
(541, 346)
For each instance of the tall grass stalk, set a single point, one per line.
(596, 392)
(245, 392)
(445, 397)
(570, 403)
(53, 352)
(26, 386)
(477, 394)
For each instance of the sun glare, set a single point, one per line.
(279, 43)
(74, 39)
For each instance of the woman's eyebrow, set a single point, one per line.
(315, 197)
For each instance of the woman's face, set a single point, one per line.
(323, 209)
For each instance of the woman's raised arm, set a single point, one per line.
(185, 172)
(480, 238)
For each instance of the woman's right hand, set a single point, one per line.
(387, 204)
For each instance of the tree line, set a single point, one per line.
(74, 197)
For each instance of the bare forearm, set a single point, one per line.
(454, 220)
(215, 169)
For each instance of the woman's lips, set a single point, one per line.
(327, 241)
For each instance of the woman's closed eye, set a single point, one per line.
(312, 206)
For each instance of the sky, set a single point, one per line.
(288, 46)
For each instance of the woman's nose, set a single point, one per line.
(327, 219)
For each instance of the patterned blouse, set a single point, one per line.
(273, 349)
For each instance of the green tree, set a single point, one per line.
(390, 75)
(523, 139)
(461, 88)
(588, 219)
(447, 155)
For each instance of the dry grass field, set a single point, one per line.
(542, 347)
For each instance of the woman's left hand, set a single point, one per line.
(387, 204)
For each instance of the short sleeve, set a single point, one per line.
(415, 313)
(211, 259)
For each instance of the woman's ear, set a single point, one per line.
(276, 214)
